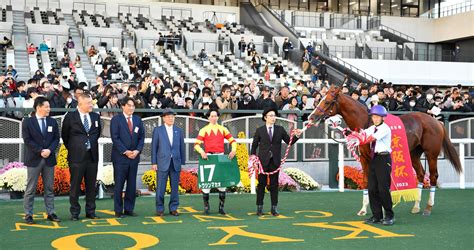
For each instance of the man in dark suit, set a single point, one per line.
(41, 137)
(268, 139)
(80, 132)
(128, 137)
(167, 156)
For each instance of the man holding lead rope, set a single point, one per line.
(268, 139)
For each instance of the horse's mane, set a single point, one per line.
(353, 102)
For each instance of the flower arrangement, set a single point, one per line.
(12, 165)
(189, 182)
(242, 154)
(14, 179)
(304, 180)
(244, 185)
(149, 179)
(286, 183)
(106, 175)
(62, 182)
(62, 158)
(353, 178)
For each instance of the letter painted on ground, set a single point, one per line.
(70, 242)
(237, 231)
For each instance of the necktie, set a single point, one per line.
(87, 128)
(43, 124)
(86, 124)
(270, 134)
(372, 145)
(129, 122)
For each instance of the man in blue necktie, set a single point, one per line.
(80, 132)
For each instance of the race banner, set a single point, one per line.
(218, 171)
(404, 181)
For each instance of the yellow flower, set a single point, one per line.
(62, 158)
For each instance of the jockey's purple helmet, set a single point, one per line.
(378, 110)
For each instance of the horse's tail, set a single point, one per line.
(450, 152)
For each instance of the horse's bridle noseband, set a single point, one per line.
(325, 112)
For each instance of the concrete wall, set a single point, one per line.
(434, 30)
(418, 72)
(112, 7)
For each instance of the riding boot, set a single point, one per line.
(221, 202)
(205, 197)
(275, 211)
(259, 210)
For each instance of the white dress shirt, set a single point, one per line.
(126, 118)
(383, 137)
(169, 131)
(88, 118)
(40, 123)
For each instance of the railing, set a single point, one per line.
(181, 11)
(351, 67)
(451, 10)
(290, 27)
(102, 141)
(339, 21)
(307, 19)
(130, 7)
(397, 33)
(90, 6)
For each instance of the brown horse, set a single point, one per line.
(425, 135)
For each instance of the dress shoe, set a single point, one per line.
(274, 211)
(160, 213)
(373, 220)
(118, 215)
(174, 213)
(130, 213)
(388, 221)
(53, 217)
(92, 216)
(29, 219)
(259, 210)
(75, 217)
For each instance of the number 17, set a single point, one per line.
(201, 171)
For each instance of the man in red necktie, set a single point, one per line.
(128, 138)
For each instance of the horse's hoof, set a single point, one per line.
(362, 213)
(415, 210)
(427, 212)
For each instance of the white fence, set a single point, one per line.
(341, 147)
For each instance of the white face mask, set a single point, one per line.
(191, 96)
(69, 100)
(299, 88)
(437, 103)
(206, 99)
(412, 104)
(154, 102)
(429, 97)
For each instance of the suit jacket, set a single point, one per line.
(75, 136)
(162, 153)
(122, 139)
(269, 149)
(35, 141)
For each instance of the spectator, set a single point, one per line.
(70, 43)
(323, 71)
(145, 63)
(38, 75)
(242, 46)
(226, 101)
(202, 56)
(111, 104)
(256, 63)
(6, 43)
(31, 49)
(305, 65)
(12, 71)
(315, 76)
(265, 101)
(77, 63)
(310, 48)
(65, 62)
(250, 48)
(283, 97)
(132, 63)
(292, 105)
(278, 70)
(43, 46)
(286, 48)
(161, 43)
(92, 51)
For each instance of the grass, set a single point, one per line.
(449, 226)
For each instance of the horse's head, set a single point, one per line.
(328, 105)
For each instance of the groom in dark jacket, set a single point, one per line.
(268, 139)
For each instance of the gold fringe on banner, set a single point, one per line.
(407, 195)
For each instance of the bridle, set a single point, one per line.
(326, 113)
